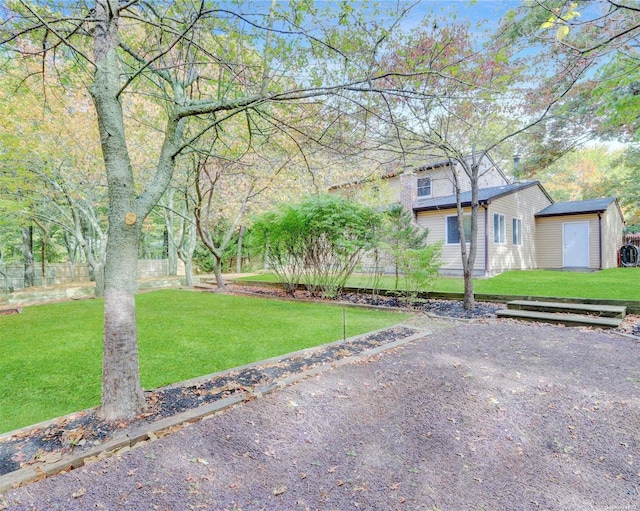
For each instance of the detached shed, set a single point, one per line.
(579, 234)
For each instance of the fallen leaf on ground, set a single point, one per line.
(79, 493)
(280, 490)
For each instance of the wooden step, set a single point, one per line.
(609, 311)
(560, 318)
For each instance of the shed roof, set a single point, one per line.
(485, 196)
(579, 207)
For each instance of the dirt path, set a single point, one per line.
(494, 415)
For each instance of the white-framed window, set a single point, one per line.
(499, 229)
(424, 186)
(517, 231)
(453, 236)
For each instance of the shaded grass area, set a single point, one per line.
(610, 284)
(51, 354)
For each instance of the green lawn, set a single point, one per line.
(50, 362)
(610, 284)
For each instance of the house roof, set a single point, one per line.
(397, 171)
(427, 166)
(485, 196)
(579, 207)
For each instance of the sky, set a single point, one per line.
(485, 12)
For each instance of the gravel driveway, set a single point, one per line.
(481, 416)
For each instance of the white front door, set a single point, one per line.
(575, 242)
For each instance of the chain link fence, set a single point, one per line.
(12, 276)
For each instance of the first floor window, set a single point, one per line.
(517, 231)
(499, 230)
(453, 235)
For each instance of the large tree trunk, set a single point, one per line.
(122, 395)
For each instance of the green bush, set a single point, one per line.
(318, 241)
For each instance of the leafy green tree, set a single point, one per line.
(399, 234)
(420, 268)
(318, 242)
(572, 36)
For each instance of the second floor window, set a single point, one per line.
(424, 187)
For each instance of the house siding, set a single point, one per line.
(393, 189)
(487, 179)
(542, 237)
(549, 242)
(405, 186)
(523, 205)
(612, 235)
(435, 221)
(549, 236)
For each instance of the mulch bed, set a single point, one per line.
(444, 308)
(440, 308)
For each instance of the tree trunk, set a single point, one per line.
(172, 256)
(97, 271)
(239, 253)
(188, 271)
(472, 172)
(43, 260)
(171, 247)
(468, 258)
(27, 254)
(122, 395)
(469, 302)
(72, 248)
(217, 270)
(186, 250)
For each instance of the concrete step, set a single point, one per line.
(609, 311)
(560, 318)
